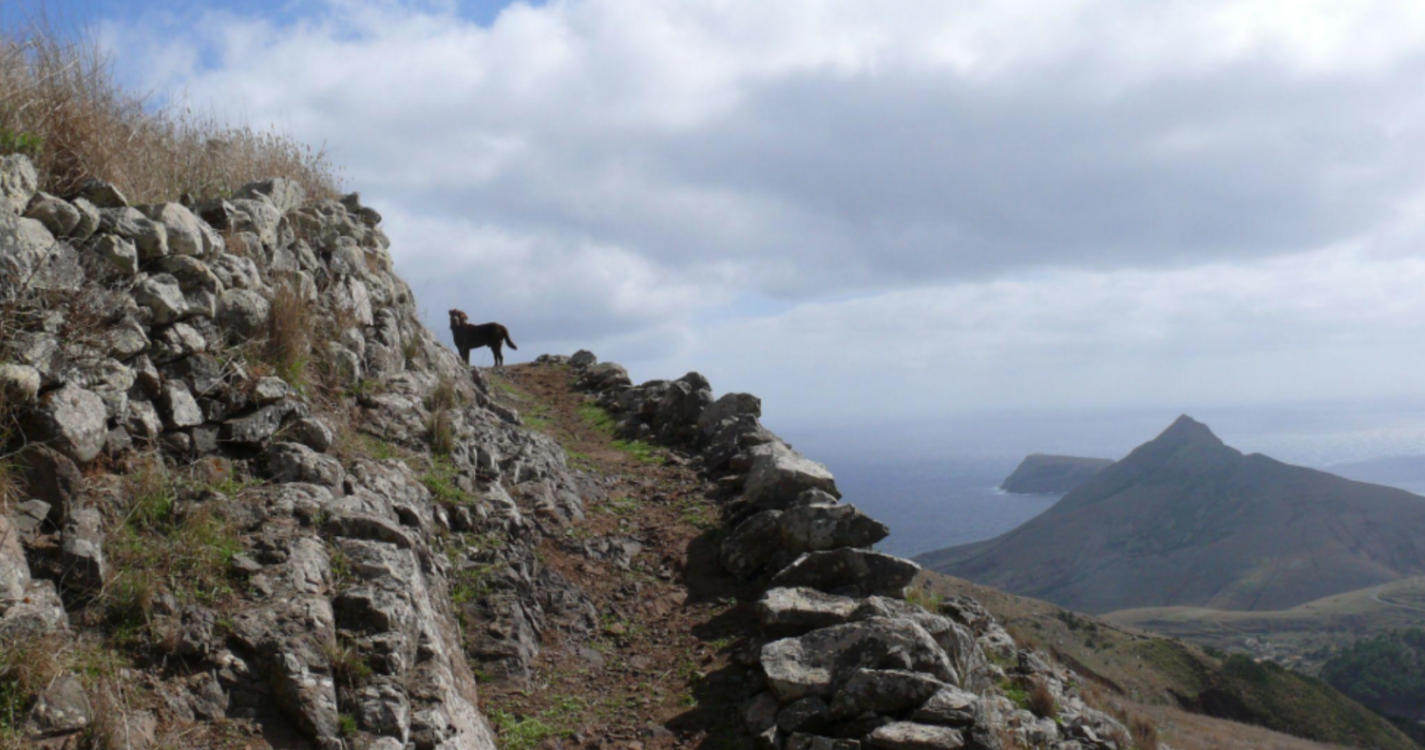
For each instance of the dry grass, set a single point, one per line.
(61, 105)
(440, 427)
(26, 667)
(289, 334)
(1041, 699)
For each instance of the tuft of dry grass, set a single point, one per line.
(440, 427)
(1041, 699)
(27, 665)
(61, 105)
(289, 333)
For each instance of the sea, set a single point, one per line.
(935, 482)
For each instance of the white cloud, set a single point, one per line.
(986, 204)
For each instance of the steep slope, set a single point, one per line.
(1041, 474)
(1186, 520)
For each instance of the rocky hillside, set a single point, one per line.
(251, 502)
(1187, 520)
(1041, 474)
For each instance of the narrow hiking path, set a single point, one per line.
(659, 670)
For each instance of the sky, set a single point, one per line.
(899, 210)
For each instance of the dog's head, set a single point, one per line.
(458, 318)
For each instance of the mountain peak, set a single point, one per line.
(1185, 430)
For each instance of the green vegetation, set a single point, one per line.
(618, 506)
(1387, 674)
(163, 546)
(528, 732)
(598, 418)
(346, 725)
(440, 480)
(929, 601)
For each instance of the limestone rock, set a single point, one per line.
(18, 182)
(179, 408)
(58, 215)
(583, 358)
(284, 194)
(82, 551)
(72, 421)
(293, 462)
(810, 528)
(61, 708)
(779, 474)
(950, 706)
(162, 295)
(797, 610)
(14, 571)
(884, 691)
(752, 544)
(149, 236)
(851, 572)
(905, 735)
(244, 312)
(182, 229)
(815, 663)
(102, 194)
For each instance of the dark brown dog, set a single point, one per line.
(469, 337)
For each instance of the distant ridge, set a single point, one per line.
(1187, 520)
(1041, 474)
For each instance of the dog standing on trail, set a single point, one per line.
(469, 337)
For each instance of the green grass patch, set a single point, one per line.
(619, 506)
(441, 481)
(926, 600)
(598, 418)
(528, 732)
(642, 452)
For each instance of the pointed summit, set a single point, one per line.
(1185, 430)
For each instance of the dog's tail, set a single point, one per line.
(508, 340)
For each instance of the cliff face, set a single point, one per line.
(251, 501)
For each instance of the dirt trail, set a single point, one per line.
(659, 671)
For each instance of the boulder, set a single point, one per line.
(33, 259)
(816, 663)
(950, 706)
(180, 410)
(284, 194)
(49, 476)
(161, 294)
(14, 571)
(119, 253)
(176, 342)
(727, 409)
(244, 312)
(752, 544)
(88, 220)
(149, 236)
(884, 691)
(259, 427)
(850, 572)
(18, 182)
(101, 194)
(62, 707)
(797, 610)
(583, 358)
(183, 230)
(604, 377)
(814, 527)
(293, 462)
(71, 420)
(905, 735)
(82, 551)
(807, 714)
(58, 215)
(779, 474)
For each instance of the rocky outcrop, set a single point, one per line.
(848, 663)
(245, 354)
